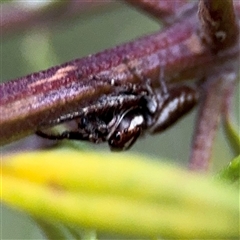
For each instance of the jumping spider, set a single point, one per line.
(122, 117)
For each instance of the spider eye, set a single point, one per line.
(117, 137)
(127, 131)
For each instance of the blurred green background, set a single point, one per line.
(39, 48)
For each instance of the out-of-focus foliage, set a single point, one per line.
(127, 195)
(232, 172)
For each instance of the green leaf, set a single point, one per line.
(232, 134)
(119, 194)
(232, 172)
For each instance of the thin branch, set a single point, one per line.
(166, 11)
(219, 31)
(219, 25)
(15, 17)
(208, 120)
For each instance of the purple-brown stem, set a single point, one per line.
(30, 102)
(165, 11)
(219, 26)
(210, 111)
(219, 31)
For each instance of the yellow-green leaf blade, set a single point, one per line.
(110, 193)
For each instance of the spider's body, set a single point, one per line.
(121, 118)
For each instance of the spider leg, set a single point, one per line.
(66, 117)
(73, 135)
(172, 107)
(110, 102)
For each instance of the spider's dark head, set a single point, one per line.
(126, 131)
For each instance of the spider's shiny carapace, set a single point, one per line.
(121, 118)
